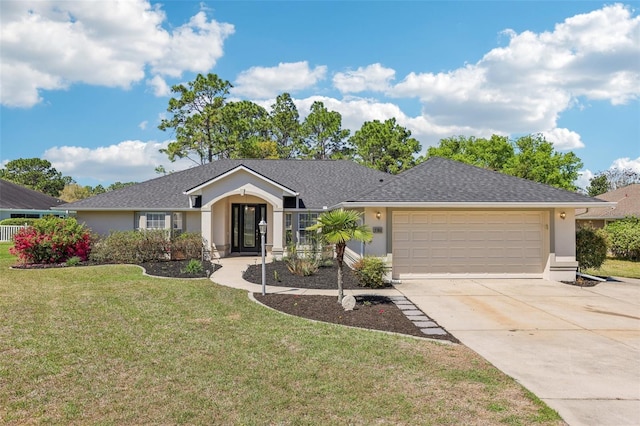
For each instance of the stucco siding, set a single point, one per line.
(104, 222)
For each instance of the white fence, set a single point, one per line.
(8, 231)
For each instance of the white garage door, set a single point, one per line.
(467, 243)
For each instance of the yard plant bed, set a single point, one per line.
(371, 312)
(177, 269)
(326, 278)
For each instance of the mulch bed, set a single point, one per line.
(583, 282)
(371, 312)
(176, 269)
(169, 269)
(325, 278)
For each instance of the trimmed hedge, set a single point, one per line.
(146, 246)
(591, 247)
(18, 221)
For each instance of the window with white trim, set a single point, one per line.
(288, 228)
(155, 221)
(304, 221)
(177, 221)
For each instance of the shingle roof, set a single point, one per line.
(14, 196)
(628, 199)
(320, 183)
(328, 183)
(439, 180)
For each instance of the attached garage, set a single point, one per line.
(483, 243)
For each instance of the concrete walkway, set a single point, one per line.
(577, 349)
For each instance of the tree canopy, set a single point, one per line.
(37, 174)
(612, 179)
(323, 133)
(529, 157)
(385, 146)
(196, 119)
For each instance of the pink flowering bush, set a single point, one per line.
(52, 240)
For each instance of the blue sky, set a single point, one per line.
(85, 84)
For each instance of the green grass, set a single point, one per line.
(108, 345)
(617, 268)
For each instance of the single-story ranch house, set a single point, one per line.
(627, 201)
(441, 218)
(17, 202)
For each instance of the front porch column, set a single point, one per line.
(277, 232)
(205, 227)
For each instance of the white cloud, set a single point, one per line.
(159, 86)
(126, 161)
(563, 139)
(143, 125)
(584, 179)
(268, 82)
(374, 77)
(626, 163)
(52, 45)
(585, 176)
(523, 87)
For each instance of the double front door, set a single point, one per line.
(245, 235)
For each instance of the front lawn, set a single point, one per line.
(107, 345)
(617, 268)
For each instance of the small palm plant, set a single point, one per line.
(338, 227)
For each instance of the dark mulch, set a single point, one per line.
(371, 312)
(177, 269)
(325, 278)
(583, 282)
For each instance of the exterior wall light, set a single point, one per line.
(563, 215)
(378, 215)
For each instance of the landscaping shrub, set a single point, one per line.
(146, 246)
(194, 267)
(18, 221)
(302, 265)
(591, 247)
(52, 240)
(624, 238)
(188, 245)
(370, 271)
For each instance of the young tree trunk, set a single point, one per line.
(340, 292)
(340, 258)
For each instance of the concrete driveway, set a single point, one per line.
(577, 349)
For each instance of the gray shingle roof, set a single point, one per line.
(14, 196)
(439, 180)
(328, 183)
(320, 183)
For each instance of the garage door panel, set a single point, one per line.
(468, 242)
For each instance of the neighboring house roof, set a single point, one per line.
(16, 197)
(320, 183)
(440, 181)
(628, 204)
(328, 183)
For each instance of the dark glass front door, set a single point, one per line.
(245, 218)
